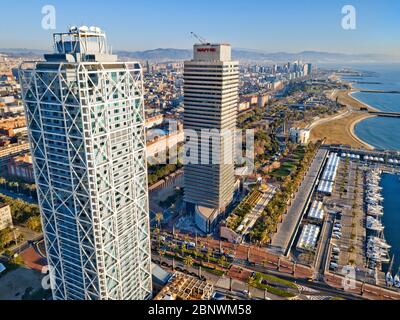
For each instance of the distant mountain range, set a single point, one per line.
(20, 52)
(244, 55)
(252, 55)
(260, 56)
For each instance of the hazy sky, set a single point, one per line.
(270, 25)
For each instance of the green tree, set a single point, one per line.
(159, 217)
(34, 223)
(222, 261)
(6, 238)
(188, 261)
(3, 182)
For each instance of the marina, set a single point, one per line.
(390, 184)
(377, 250)
(352, 192)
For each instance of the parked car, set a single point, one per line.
(218, 296)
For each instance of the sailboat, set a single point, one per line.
(397, 279)
(389, 277)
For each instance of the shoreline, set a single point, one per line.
(350, 94)
(355, 136)
(340, 128)
(354, 123)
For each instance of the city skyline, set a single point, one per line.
(261, 25)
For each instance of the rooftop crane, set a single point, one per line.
(197, 37)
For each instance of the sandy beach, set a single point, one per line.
(339, 128)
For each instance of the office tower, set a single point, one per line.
(148, 67)
(307, 68)
(85, 118)
(210, 98)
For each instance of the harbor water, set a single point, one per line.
(382, 133)
(391, 219)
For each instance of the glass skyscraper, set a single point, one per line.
(85, 117)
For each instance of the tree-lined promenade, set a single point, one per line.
(267, 225)
(259, 259)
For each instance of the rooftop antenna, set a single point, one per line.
(199, 38)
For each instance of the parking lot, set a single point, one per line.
(18, 282)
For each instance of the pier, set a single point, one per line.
(381, 91)
(385, 114)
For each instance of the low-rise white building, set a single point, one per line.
(5, 217)
(308, 238)
(298, 135)
(316, 211)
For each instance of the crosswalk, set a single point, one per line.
(306, 289)
(319, 298)
(315, 298)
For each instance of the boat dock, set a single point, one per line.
(381, 91)
(385, 114)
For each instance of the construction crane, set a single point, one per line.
(197, 37)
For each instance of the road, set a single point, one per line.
(325, 120)
(258, 259)
(15, 195)
(320, 287)
(323, 251)
(230, 287)
(281, 242)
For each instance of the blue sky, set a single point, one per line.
(273, 26)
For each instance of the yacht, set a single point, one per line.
(389, 280)
(397, 279)
(379, 242)
(374, 224)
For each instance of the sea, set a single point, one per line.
(383, 133)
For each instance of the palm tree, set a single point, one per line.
(13, 184)
(222, 261)
(17, 185)
(251, 236)
(173, 246)
(183, 248)
(187, 239)
(31, 188)
(188, 261)
(3, 182)
(162, 253)
(156, 232)
(209, 254)
(159, 217)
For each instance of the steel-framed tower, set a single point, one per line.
(85, 117)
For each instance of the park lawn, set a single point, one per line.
(299, 153)
(259, 277)
(285, 170)
(277, 280)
